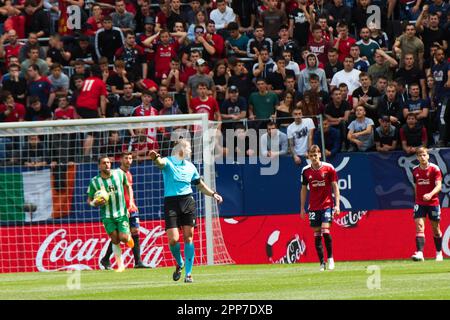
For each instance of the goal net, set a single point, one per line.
(46, 223)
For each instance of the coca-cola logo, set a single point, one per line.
(57, 253)
(295, 248)
(350, 219)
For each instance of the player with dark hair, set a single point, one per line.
(428, 183)
(321, 177)
(126, 160)
(179, 204)
(114, 213)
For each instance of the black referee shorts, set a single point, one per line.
(179, 211)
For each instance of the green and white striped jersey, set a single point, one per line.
(115, 207)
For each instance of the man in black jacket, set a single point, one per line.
(108, 39)
(37, 20)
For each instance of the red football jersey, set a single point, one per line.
(210, 106)
(319, 181)
(163, 55)
(67, 113)
(127, 196)
(425, 181)
(344, 47)
(18, 114)
(90, 93)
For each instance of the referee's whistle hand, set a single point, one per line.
(218, 197)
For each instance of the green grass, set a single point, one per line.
(399, 280)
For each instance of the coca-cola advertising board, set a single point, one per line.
(359, 235)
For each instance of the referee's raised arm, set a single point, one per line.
(156, 157)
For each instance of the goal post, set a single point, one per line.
(45, 167)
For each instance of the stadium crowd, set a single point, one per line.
(380, 81)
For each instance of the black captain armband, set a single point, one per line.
(196, 182)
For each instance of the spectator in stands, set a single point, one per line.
(338, 112)
(122, 19)
(77, 86)
(169, 106)
(262, 104)
(359, 63)
(163, 16)
(199, 77)
(333, 65)
(234, 108)
(216, 39)
(331, 136)
(165, 50)
(315, 89)
(10, 111)
(300, 135)
(236, 43)
(246, 12)
(366, 45)
(83, 50)
(383, 66)
(32, 41)
(260, 42)
(126, 104)
(312, 67)
(386, 135)
(220, 75)
(36, 111)
(34, 154)
(367, 96)
(273, 143)
(33, 59)
(283, 114)
(39, 85)
(56, 52)
(381, 85)
(348, 75)
(240, 78)
(205, 103)
(94, 22)
(200, 43)
(319, 46)
(201, 19)
(134, 57)
(65, 111)
(222, 16)
(173, 79)
(175, 14)
(409, 10)
(272, 19)
(116, 79)
(389, 105)
(432, 33)
(15, 84)
(343, 42)
(338, 12)
(360, 131)
(141, 145)
(441, 75)
(300, 21)
(146, 109)
(408, 42)
(162, 93)
(12, 48)
(413, 135)
(108, 40)
(276, 78)
(412, 74)
(243, 143)
(286, 43)
(59, 82)
(37, 20)
(379, 36)
(414, 104)
(265, 64)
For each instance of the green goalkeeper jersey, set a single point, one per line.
(116, 206)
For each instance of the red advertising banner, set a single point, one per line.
(363, 235)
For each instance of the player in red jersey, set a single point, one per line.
(428, 183)
(321, 177)
(126, 160)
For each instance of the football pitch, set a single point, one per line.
(350, 280)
